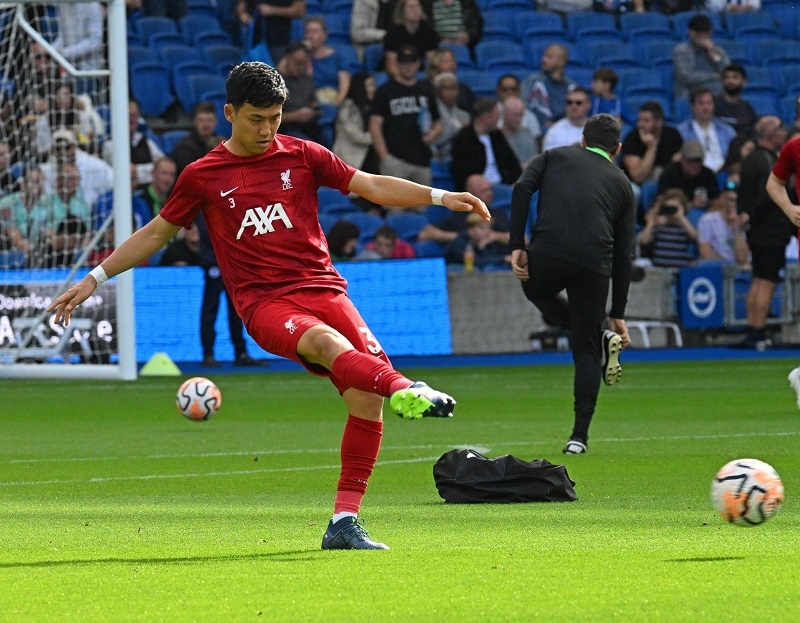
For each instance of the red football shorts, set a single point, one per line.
(277, 326)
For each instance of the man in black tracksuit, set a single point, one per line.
(583, 234)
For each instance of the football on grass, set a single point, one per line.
(747, 492)
(198, 398)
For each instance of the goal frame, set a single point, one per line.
(117, 73)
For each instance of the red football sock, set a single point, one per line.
(360, 444)
(368, 373)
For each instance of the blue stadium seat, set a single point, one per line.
(407, 224)
(498, 26)
(200, 84)
(482, 83)
(537, 21)
(487, 50)
(621, 57)
(170, 138)
(326, 221)
(649, 19)
(442, 176)
(786, 17)
(787, 106)
(640, 36)
(160, 40)
(462, 54)
(429, 248)
(764, 104)
(749, 34)
(172, 55)
(788, 75)
(338, 25)
(638, 76)
(180, 81)
(367, 224)
(660, 49)
(581, 75)
(591, 50)
(738, 51)
(771, 50)
(337, 6)
(508, 65)
(149, 25)
(735, 22)
(202, 7)
(152, 102)
(217, 55)
(141, 54)
(760, 78)
(326, 122)
(501, 196)
(192, 23)
(512, 6)
(580, 21)
(331, 201)
(211, 37)
(373, 56)
(536, 38)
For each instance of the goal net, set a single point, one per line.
(63, 96)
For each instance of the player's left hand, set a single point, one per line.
(69, 300)
(466, 202)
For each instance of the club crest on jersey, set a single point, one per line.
(287, 183)
(262, 219)
(290, 326)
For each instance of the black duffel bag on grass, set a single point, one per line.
(468, 477)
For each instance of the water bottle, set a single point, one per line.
(469, 259)
(424, 119)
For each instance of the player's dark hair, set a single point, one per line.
(257, 84)
(602, 131)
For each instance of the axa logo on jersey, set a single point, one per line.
(263, 219)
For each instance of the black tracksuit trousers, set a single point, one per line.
(583, 312)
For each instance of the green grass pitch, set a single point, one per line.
(113, 507)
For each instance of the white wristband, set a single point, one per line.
(436, 196)
(99, 275)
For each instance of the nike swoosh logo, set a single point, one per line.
(225, 193)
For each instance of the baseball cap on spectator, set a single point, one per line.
(64, 137)
(408, 54)
(692, 150)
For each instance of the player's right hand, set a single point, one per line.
(466, 202)
(64, 305)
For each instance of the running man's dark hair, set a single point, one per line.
(257, 84)
(602, 131)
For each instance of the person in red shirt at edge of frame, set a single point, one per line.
(786, 166)
(258, 195)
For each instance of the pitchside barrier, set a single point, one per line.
(414, 307)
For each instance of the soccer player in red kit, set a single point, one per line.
(258, 194)
(786, 166)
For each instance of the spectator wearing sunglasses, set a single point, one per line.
(569, 130)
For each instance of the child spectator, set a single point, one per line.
(387, 246)
(604, 81)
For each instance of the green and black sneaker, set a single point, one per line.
(420, 401)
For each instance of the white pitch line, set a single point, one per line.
(23, 483)
(480, 448)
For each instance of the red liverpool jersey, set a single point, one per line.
(262, 217)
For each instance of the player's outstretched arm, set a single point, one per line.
(141, 245)
(388, 190)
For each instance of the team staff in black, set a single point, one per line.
(583, 234)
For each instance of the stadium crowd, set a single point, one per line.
(455, 93)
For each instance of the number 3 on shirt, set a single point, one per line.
(372, 344)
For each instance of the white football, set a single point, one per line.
(747, 492)
(198, 398)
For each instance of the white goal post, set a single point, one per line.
(58, 236)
